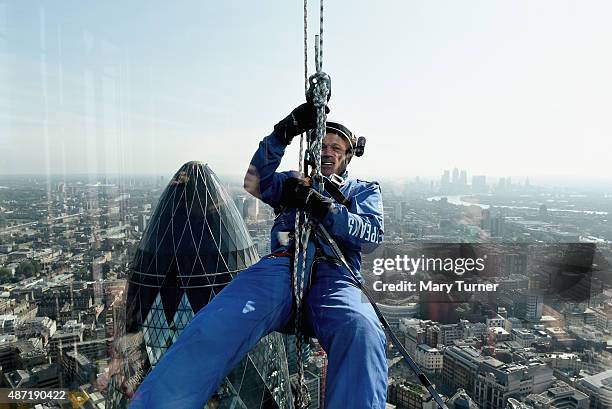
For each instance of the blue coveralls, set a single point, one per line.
(259, 301)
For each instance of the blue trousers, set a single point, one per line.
(257, 302)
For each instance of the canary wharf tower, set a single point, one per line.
(195, 243)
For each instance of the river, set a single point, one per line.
(456, 200)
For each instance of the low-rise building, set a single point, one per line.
(429, 359)
(559, 395)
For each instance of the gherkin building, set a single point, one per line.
(195, 243)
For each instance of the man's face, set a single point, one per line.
(334, 156)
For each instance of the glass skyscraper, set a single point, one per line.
(194, 244)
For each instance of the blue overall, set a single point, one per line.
(259, 300)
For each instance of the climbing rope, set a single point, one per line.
(302, 397)
(317, 89)
(319, 43)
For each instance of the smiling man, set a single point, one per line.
(260, 299)
(337, 149)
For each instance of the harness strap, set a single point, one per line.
(282, 254)
(336, 194)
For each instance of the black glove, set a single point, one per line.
(300, 120)
(297, 194)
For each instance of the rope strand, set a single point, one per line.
(302, 230)
(321, 38)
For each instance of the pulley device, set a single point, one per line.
(318, 91)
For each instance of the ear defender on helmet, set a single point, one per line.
(357, 145)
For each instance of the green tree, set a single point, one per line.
(28, 268)
(5, 275)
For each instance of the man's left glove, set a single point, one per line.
(297, 194)
(300, 120)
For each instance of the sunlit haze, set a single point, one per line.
(497, 88)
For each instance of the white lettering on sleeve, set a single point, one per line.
(363, 230)
(374, 236)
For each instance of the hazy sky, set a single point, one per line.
(495, 87)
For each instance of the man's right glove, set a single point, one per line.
(300, 120)
(297, 194)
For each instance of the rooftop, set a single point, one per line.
(602, 380)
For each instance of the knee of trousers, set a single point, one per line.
(361, 332)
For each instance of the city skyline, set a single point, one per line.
(67, 254)
(592, 183)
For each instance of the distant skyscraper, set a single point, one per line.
(194, 244)
(252, 209)
(479, 184)
(445, 180)
(463, 177)
(240, 202)
(455, 176)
